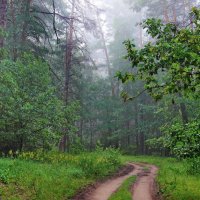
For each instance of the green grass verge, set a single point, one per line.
(25, 179)
(124, 192)
(173, 179)
(31, 180)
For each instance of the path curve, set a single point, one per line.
(106, 189)
(143, 189)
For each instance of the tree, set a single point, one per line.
(174, 11)
(169, 68)
(31, 113)
(3, 20)
(169, 65)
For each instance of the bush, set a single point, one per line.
(184, 140)
(157, 146)
(193, 166)
(100, 163)
(97, 164)
(4, 176)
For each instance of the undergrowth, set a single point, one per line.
(53, 176)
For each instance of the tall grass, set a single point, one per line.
(53, 176)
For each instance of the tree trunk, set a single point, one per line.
(184, 113)
(174, 14)
(136, 127)
(81, 130)
(128, 129)
(68, 54)
(21, 143)
(13, 21)
(142, 118)
(25, 9)
(142, 137)
(183, 110)
(65, 140)
(191, 18)
(3, 12)
(106, 55)
(91, 135)
(141, 31)
(64, 143)
(185, 13)
(166, 13)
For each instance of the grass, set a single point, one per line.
(31, 180)
(124, 192)
(25, 179)
(146, 169)
(173, 179)
(55, 176)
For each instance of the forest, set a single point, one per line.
(99, 100)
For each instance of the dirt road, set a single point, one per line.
(143, 189)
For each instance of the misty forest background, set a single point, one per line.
(89, 85)
(61, 63)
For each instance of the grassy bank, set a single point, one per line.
(45, 177)
(173, 179)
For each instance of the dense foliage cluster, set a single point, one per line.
(171, 63)
(32, 116)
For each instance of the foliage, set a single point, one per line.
(184, 140)
(98, 163)
(156, 145)
(32, 115)
(4, 176)
(77, 147)
(193, 166)
(124, 192)
(42, 176)
(169, 64)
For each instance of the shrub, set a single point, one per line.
(184, 140)
(193, 166)
(97, 164)
(4, 176)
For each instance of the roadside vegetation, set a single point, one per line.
(46, 176)
(53, 176)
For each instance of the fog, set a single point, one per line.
(106, 68)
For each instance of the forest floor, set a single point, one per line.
(144, 188)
